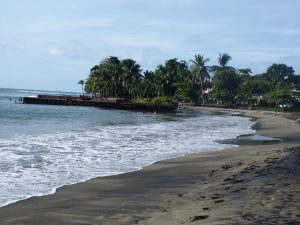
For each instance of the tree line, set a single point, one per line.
(193, 81)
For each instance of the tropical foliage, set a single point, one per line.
(200, 74)
(81, 82)
(158, 100)
(196, 82)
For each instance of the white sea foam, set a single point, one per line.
(33, 165)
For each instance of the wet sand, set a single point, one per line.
(250, 184)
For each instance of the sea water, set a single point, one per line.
(43, 147)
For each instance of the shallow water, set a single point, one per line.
(44, 147)
(251, 139)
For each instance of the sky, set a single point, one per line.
(51, 45)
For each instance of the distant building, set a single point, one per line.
(296, 94)
(207, 91)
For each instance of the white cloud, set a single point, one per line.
(71, 50)
(56, 51)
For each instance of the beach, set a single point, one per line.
(249, 184)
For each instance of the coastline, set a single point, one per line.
(186, 189)
(177, 147)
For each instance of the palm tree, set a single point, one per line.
(81, 82)
(113, 68)
(149, 84)
(223, 61)
(131, 76)
(200, 72)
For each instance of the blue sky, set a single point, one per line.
(50, 45)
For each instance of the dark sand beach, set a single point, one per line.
(250, 184)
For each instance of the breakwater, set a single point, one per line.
(99, 102)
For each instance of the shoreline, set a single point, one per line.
(172, 156)
(158, 191)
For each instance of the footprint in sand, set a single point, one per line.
(219, 201)
(196, 218)
(238, 190)
(217, 196)
(201, 197)
(239, 164)
(229, 179)
(227, 167)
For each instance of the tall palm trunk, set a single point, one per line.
(201, 87)
(200, 72)
(115, 84)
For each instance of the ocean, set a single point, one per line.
(45, 147)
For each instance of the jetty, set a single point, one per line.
(107, 103)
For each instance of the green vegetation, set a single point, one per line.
(158, 100)
(177, 80)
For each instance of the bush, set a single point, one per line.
(280, 96)
(158, 100)
(163, 100)
(143, 100)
